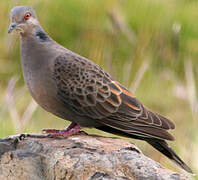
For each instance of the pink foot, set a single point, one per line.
(47, 131)
(72, 129)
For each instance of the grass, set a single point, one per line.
(165, 36)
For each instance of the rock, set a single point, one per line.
(79, 157)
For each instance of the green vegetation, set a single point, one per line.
(150, 46)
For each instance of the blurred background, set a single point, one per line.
(149, 46)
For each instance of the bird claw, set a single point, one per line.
(49, 131)
(19, 138)
(72, 129)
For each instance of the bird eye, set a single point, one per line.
(27, 16)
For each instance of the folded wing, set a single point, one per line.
(89, 91)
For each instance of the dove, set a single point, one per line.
(74, 88)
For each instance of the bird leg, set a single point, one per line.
(72, 129)
(47, 131)
(72, 125)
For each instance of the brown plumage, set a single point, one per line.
(76, 89)
(89, 91)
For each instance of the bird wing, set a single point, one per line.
(89, 91)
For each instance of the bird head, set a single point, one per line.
(23, 19)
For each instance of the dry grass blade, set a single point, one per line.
(19, 121)
(140, 75)
(118, 22)
(190, 86)
(28, 113)
(127, 68)
(10, 101)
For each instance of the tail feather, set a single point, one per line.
(165, 149)
(159, 144)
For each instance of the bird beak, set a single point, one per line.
(13, 26)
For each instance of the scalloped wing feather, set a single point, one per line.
(89, 91)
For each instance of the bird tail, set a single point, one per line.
(165, 149)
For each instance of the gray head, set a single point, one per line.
(23, 19)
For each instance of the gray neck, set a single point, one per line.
(37, 34)
(35, 48)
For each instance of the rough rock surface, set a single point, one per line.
(80, 157)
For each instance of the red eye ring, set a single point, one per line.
(27, 16)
